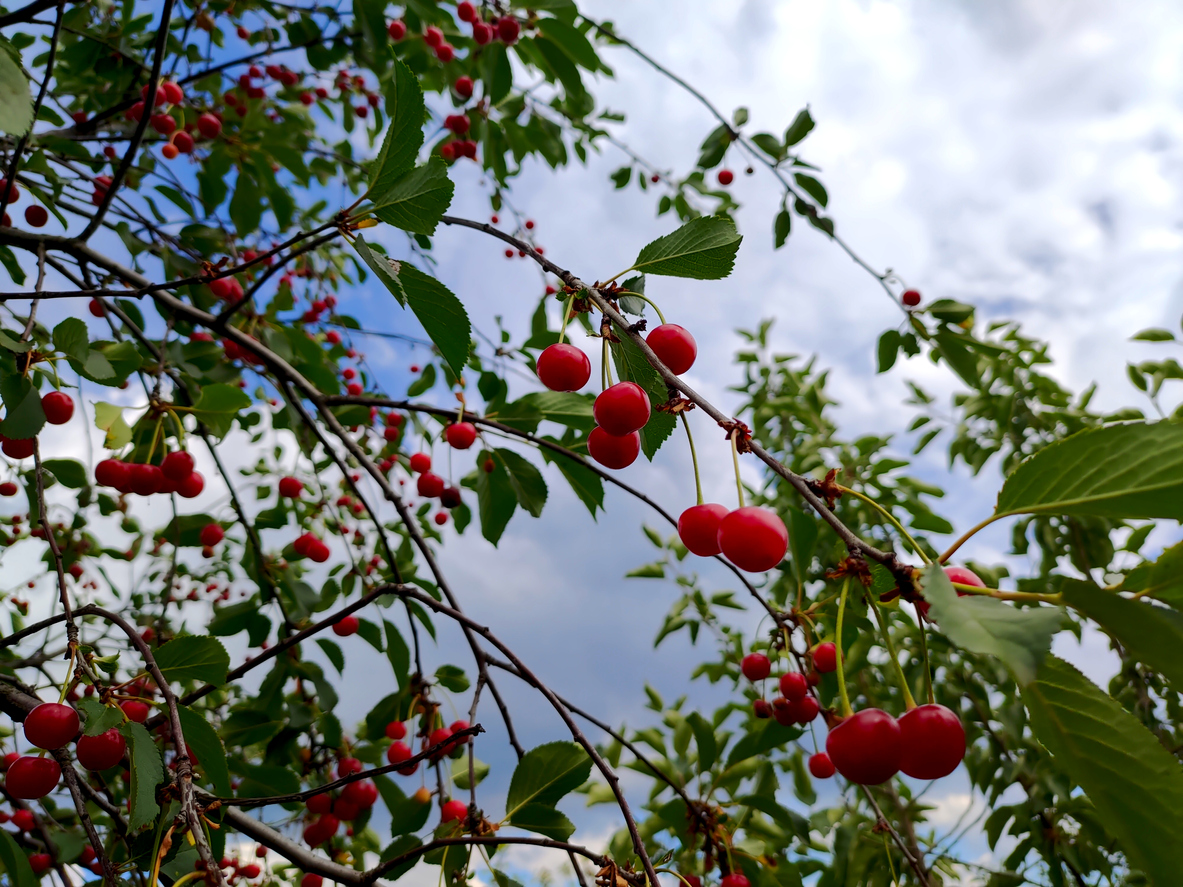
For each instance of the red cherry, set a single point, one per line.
(911, 298)
(101, 752)
(396, 730)
(37, 215)
(453, 810)
(933, 742)
(58, 407)
(191, 487)
(176, 466)
(482, 33)
(441, 518)
(23, 819)
(430, 485)
(803, 710)
(962, 576)
(345, 810)
(135, 710)
(311, 879)
(754, 539)
(290, 487)
(445, 52)
(782, 710)
(735, 879)
(450, 497)
(348, 766)
(111, 473)
(146, 479)
(30, 778)
(397, 30)
(40, 862)
(755, 667)
(17, 449)
(96, 308)
(318, 552)
(508, 29)
(364, 794)
(612, 451)
(8, 488)
(463, 87)
(420, 462)
(209, 126)
(465, 11)
(399, 752)
(456, 727)
(793, 686)
(433, 36)
(821, 766)
(346, 626)
(726, 177)
(825, 657)
(51, 725)
(563, 367)
(761, 709)
(212, 534)
(622, 408)
(698, 528)
(14, 193)
(867, 747)
(460, 435)
(320, 804)
(674, 346)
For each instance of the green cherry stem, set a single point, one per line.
(847, 711)
(693, 458)
(604, 367)
(891, 519)
(645, 298)
(927, 667)
(735, 462)
(909, 702)
(566, 317)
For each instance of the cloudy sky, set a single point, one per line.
(1023, 156)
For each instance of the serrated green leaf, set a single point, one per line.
(16, 864)
(544, 820)
(384, 269)
(109, 418)
(525, 479)
(147, 772)
(703, 249)
(194, 658)
(404, 136)
(545, 774)
(24, 418)
(1020, 637)
(1161, 578)
(16, 104)
(71, 338)
(99, 718)
(207, 746)
(1132, 470)
(496, 500)
(439, 311)
(1135, 785)
(218, 405)
(333, 653)
(416, 200)
(70, 473)
(765, 736)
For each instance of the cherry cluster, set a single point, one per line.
(399, 751)
(330, 809)
(174, 474)
(50, 726)
(429, 485)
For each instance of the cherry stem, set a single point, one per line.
(924, 653)
(693, 458)
(847, 711)
(909, 702)
(891, 519)
(645, 298)
(566, 317)
(735, 462)
(967, 535)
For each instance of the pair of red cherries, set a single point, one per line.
(621, 410)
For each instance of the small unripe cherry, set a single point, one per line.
(613, 451)
(563, 367)
(825, 657)
(346, 626)
(755, 667)
(674, 346)
(698, 528)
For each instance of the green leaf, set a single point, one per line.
(452, 677)
(1154, 334)
(109, 418)
(404, 136)
(16, 864)
(802, 539)
(203, 739)
(407, 815)
(951, 311)
(99, 718)
(147, 772)
(417, 199)
(1161, 579)
(400, 847)
(460, 772)
(24, 418)
(194, 658)
(71, 338)
(888, 349)
(246, 206)
(442, 315)
(525, 480)
(813, 188)
(704, 740)
(703, 249)
(16, 104)
(764, 737)
(397, 653)
(545, 774)
(496, 500)
(333, 653)
(564, 407)
(1132, 470)
(801, 126)
(1150, 633)
(585, 483)
(782, 226)
(544, 820)
(70, 473)
(218, 405)
(632, 366)
(386, 270)
(265, 780)
(957, 354)
(576, 46)
(1020, 637)
(424, 383)
(1135, 785)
